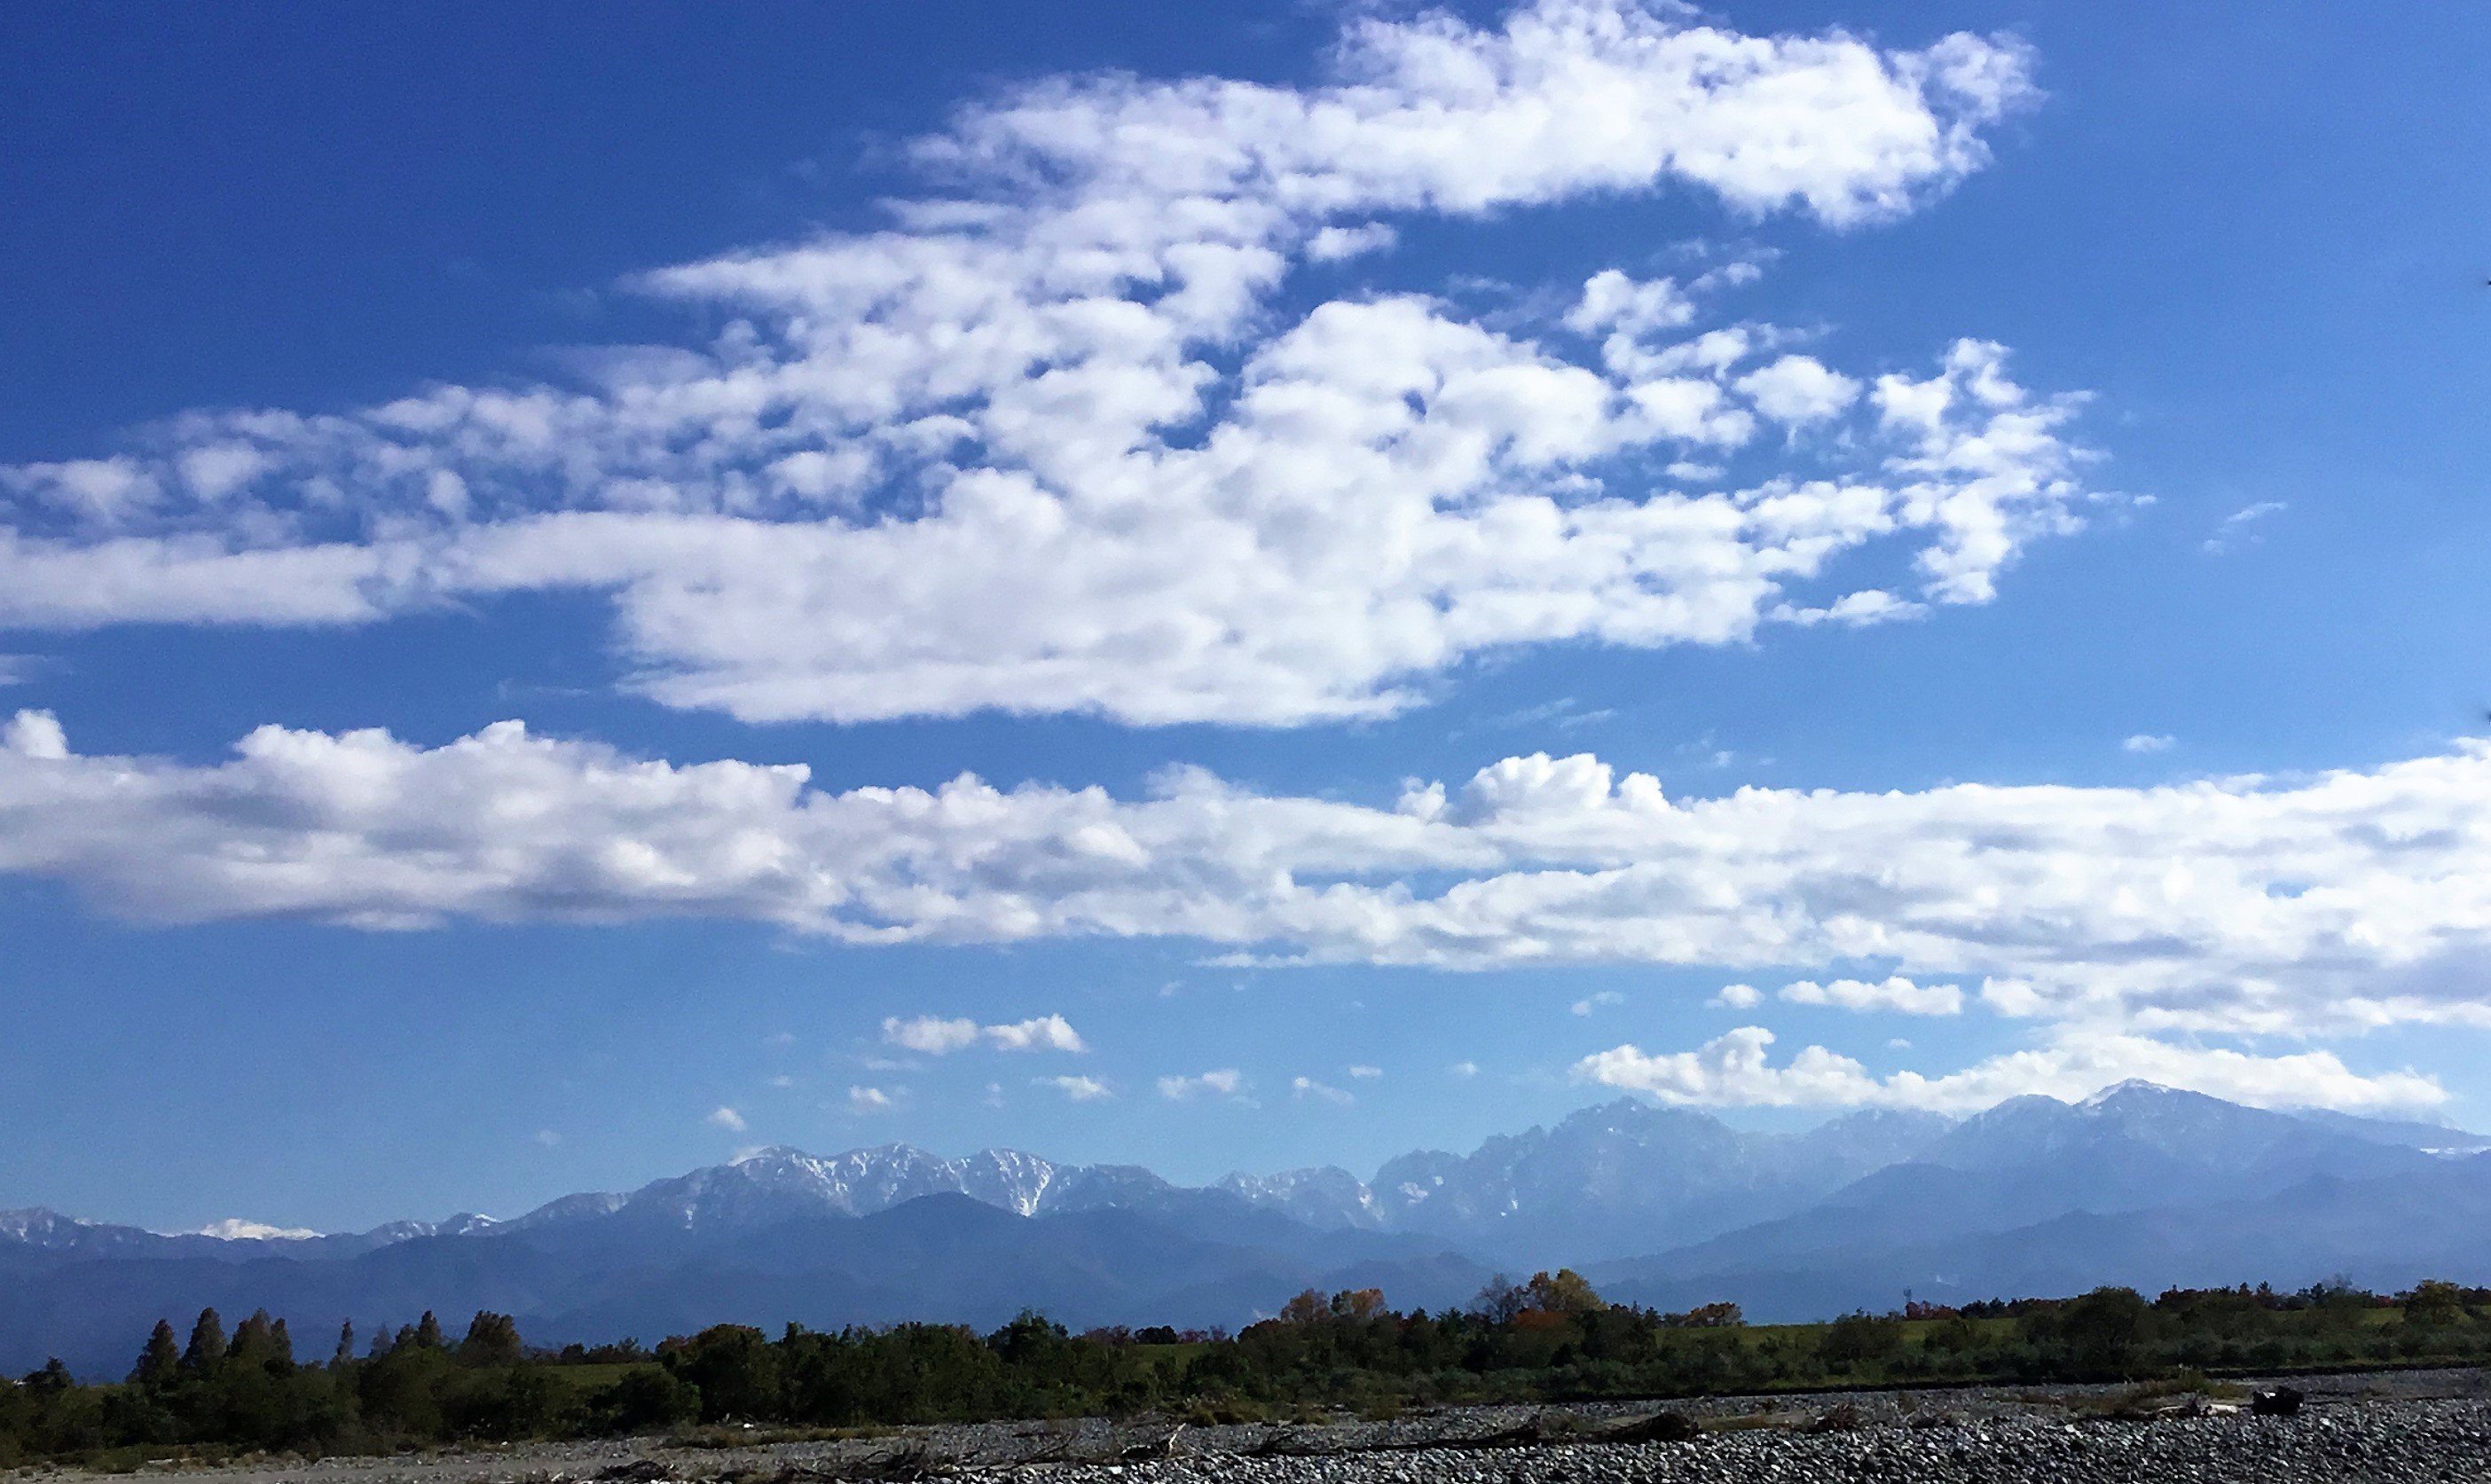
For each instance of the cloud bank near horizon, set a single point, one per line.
(1060, 440)
(2333, 904)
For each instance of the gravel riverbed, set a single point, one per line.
(2433, 1425)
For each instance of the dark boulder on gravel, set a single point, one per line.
(2281, 1402)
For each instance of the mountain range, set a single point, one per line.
(1670, 1206)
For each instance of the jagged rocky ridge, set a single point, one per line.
(1669, 1206)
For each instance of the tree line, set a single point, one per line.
(1552, 1338)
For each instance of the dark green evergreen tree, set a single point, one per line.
(207, 1350)
(492, 1339)
(344, 1353)
(253, 1342)
(428, 1332)
(159, 1364)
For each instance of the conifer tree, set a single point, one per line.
(346, 1350)
(159, 1364)
(207, 1350)
(281, 1346)
(251, 1343)
(492, 1339)
(427, 1331)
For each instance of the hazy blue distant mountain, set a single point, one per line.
(2384, 1234)
(2437, 1138)
(944, 1257)
(2138, 1184)
(2034, 1186)
(1631, 1177)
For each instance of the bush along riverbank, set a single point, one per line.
(1552, 1339)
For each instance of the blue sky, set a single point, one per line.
(2035, 449)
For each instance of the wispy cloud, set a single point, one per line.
(2235, 528)
(1894, 994)
(1224, 1082)
(2148, 741)
(1080, 1090)
(1307, 1087)
(23, 669)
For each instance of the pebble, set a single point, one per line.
(2416, 1428)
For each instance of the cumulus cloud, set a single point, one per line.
(1895, 993)
(2146, 742)
(868, 1100)
(1590, 1003)
(2334, 902)
(727, 1119)
(1049, 444)
(1046, 1033)
(1733, 1070)
(1224, 1082)
(935, 1036)
(1737, 996)
(1798, 390)
(930, 1034)
(1080, 1090)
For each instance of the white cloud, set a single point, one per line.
(1737, 996)
(2334, 902)
(1051, 445)
(1464, 1069)
(934, 1035)
(1047, 1033)
(1366, 1073)
(547, 1137)
(1798, 390)
(1590, 1003)
(1307, 1087)
(868, 1100)
(2235, 528)
(1225, 1081)
(36, 735)
(1334, 244)
(1080, 1090)
(2146, 742)
(727, 1119)
(1894, 994)
(1731, 1070)
(236, 1228)
(930, 1034)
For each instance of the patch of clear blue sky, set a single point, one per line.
(2260, 241)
